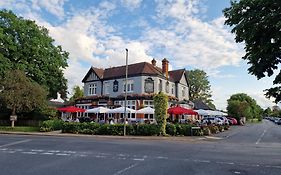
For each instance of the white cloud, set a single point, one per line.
(131, 4)
(54, 7)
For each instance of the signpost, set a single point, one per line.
(13, 118)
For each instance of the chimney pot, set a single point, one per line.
(153, 62)
(165, 67)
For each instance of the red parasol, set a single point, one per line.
(71, 109)
(181, 110)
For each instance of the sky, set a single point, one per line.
(190, 33)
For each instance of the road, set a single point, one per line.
(251, 149)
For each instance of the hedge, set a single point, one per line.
(51, 125)
(118, 129)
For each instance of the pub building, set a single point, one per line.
(106, 87)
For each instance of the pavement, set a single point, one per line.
(60, 134)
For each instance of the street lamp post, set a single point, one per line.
(126, 82)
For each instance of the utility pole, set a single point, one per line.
(126, 88)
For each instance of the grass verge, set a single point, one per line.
(19, 128)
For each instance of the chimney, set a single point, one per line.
(153, 62)
(165, 67)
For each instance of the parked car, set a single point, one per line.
(277, 121)
(232, 120)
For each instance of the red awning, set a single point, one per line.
(71, 109)
(181, 110)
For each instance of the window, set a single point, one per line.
(167, 87)
(173, 88)
(183, 91)
(93, 89)
(148, 103)
(106, 88)
(130, 86)
(160, 85)
(115, 86)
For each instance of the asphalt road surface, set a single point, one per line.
(251, 149)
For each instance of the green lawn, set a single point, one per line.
(19, 128)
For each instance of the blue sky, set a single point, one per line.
(190, 33)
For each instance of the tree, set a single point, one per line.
(77, 93)
(241, 105)
(257, 24)
(28, 47)
(161, 105)
(199, 86)
(20, 94)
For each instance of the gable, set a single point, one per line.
(183, 79)
(91, 76)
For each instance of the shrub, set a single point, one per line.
(214, 129)
(51, 125)
(183, 129)
(206, 131)
(221, 128)
(70, 127)
(147, 129)
(226, 127)
(171, 129)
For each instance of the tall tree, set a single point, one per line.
(241, 105)
(199, 86)
(77, 93)
(28, 47)
(20, 94)
(257, 24)
(160, 101)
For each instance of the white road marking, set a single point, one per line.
(29, 152)
(203, 161)
(125, 169)
(237, 172)
(62, 154)
(228, 163)
(11, 152)
(98, 156)
(15, 143)
(139, 159)
(37, 150)
(160, 157)
(258, 141)
(47, 153)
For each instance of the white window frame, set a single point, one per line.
(93, 89)
(130, 86)
(183, 91)
(106, 87)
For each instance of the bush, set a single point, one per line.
(221, 128)
(213, 129)
(183, 129)
(171, 129)
(206, 131)
(51, 125)
(226, 127)
(147, 129)
(70, 127)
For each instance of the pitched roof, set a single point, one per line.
(199, 104)
(142, 68)
(176, 75)
(133, 69)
